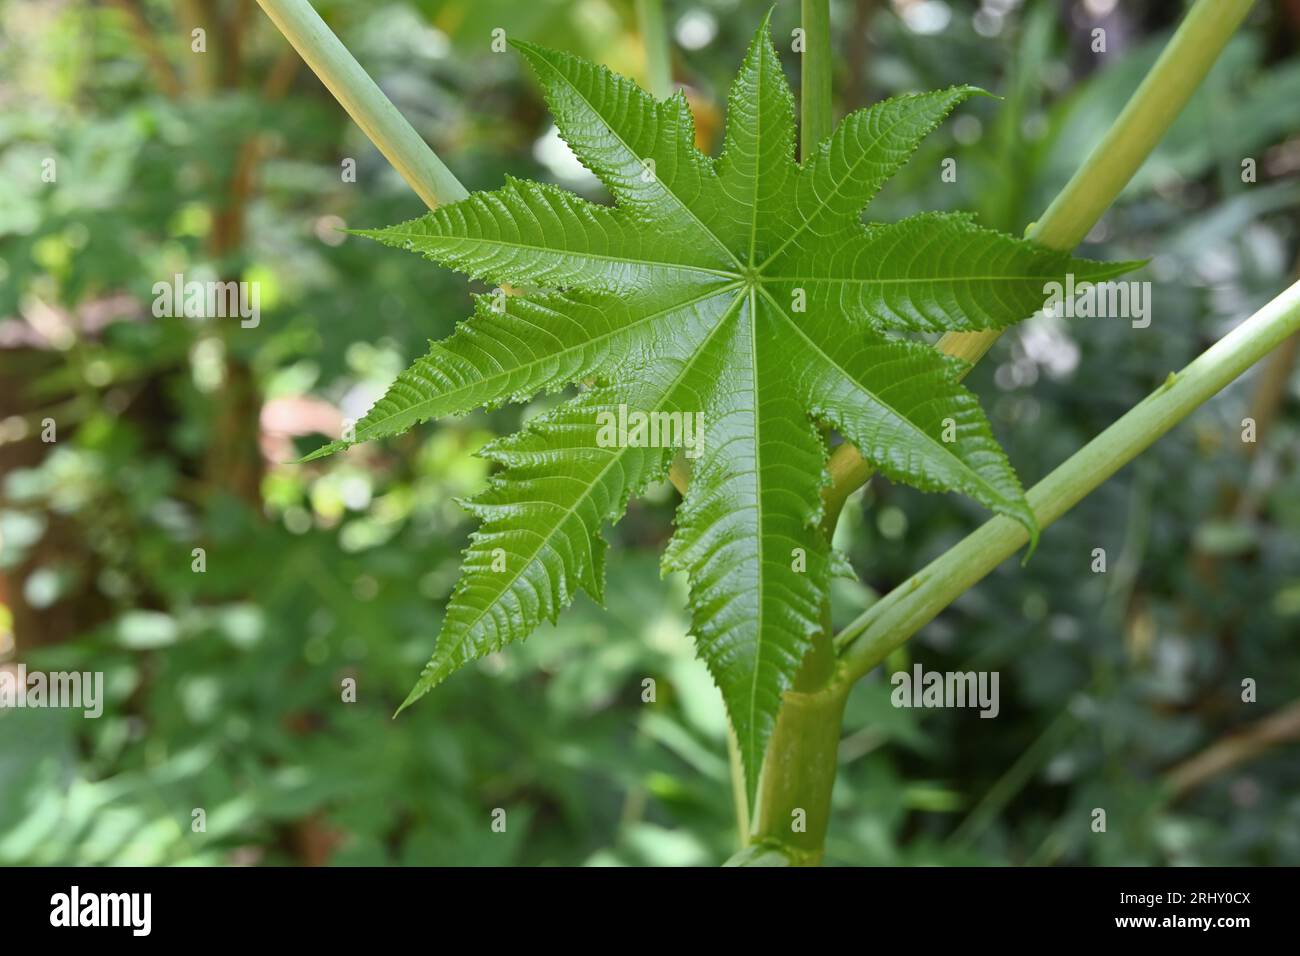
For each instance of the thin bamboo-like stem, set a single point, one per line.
(658, 56)
(365, 102)
(815, 106)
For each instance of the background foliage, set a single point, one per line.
(1119, 690)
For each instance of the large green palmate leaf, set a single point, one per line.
(743, 294)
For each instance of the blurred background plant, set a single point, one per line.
(1119, 690)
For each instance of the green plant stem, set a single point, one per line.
(1161, 97)
(1182, 66)
(906, 609)
(794, 802)
(658, 57)
(815, 75)
(378, 118)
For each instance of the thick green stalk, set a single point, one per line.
(658, 57)
(905, 610)
(794, 788)
(815, 75)
(378, 118)
(1182, 66)
(794, 803)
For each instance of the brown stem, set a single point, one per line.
(1235, 749)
